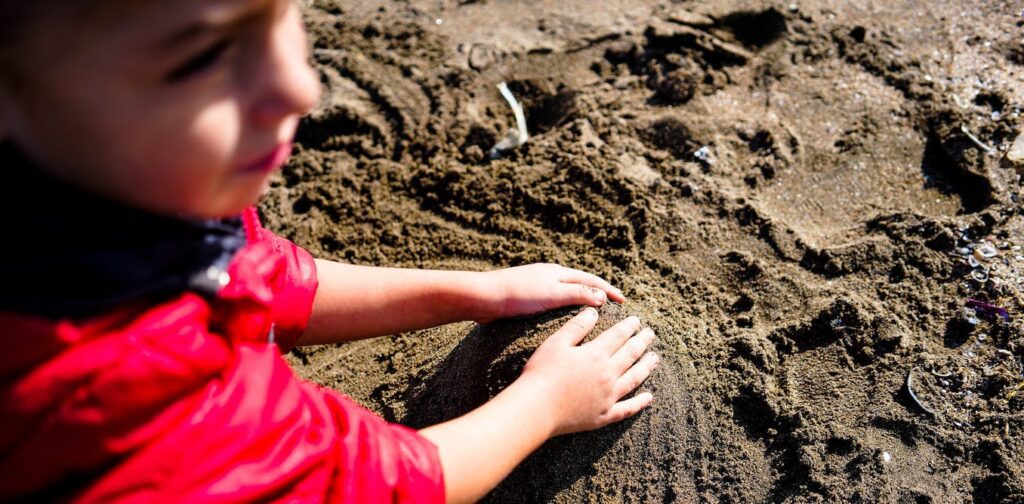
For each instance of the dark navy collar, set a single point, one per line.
(68, 253)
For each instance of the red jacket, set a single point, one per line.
(187, 401)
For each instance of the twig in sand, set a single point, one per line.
(981, 145)
(515, 137)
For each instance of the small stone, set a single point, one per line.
(703, 154)
(971, 317)
(1016, 152)
(886, 457)
(690, 18)
(482, 56)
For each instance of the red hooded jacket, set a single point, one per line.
(189, 401)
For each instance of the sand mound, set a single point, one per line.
(632, 454)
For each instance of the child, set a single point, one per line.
(145, 308)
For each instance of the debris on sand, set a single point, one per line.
(913, 396)
(515, 137)
(981, 145)
(989, 311)
(703, 155)
(1016, 152)
(691, 18)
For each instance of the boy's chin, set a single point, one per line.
(228, 207)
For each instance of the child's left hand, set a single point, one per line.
(540, 287)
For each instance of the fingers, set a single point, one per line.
(632, 350)
(589, 279)
(577, 293)
(636, 375)
(577, 328)
(625, 409)
(611, 340)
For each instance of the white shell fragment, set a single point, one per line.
(886, 457)
(703, 154)
(970, 316)
(515, 137)
(972, 260)
(1016, 152)
(987, 251)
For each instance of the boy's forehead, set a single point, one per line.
(128, 26)
(172, 21)
(199, 12)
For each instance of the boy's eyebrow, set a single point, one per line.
(214, 19)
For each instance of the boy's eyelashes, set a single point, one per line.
(202, 61)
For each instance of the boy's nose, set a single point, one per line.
(288, 86)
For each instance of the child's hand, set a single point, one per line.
(586, 382)
(540, 287)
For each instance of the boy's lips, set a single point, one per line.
(272, 161)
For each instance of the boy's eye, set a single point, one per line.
(202, 61)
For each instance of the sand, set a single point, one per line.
(785, 191)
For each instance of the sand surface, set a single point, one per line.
(788, 193)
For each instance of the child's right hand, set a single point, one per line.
(585, 383)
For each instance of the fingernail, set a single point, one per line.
(588, 311)
(654, 358)
(599, 295)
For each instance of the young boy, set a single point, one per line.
(145, 307)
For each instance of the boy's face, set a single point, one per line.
(176, 106)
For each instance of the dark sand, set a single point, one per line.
(795, 277)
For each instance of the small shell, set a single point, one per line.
(971, 317)
(963, 251)
(987, 251)
(973, 261)
(980, 275)
(1016, 152)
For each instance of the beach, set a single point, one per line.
(802, 199)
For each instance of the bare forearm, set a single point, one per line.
(481, 448)
(356, 302)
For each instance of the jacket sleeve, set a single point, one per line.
(162, 410)
(264, 435)
(294, 286)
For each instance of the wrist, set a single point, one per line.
(485, 297)
(541, 399)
